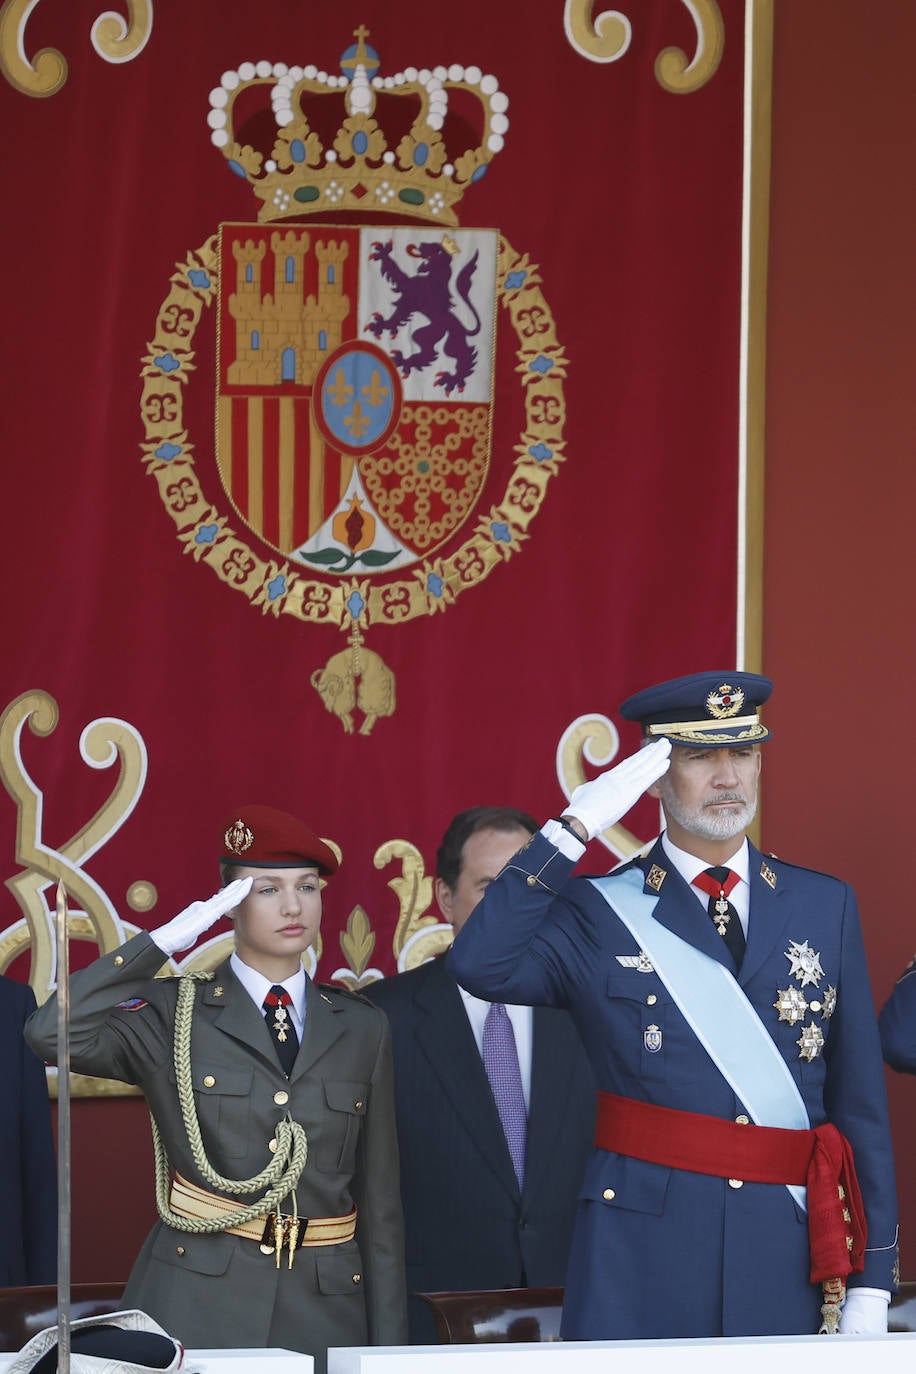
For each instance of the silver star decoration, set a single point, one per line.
(810, 1042)
(804, 963)
(829, 1003)
(791, 1005)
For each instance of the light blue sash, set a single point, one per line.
(716, 1009)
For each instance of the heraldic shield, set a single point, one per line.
(354, 386)
(355, 360)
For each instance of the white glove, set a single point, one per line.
(182, 930)
(601, 802)
(864, 1312)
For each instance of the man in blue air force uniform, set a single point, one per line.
(743, 1172)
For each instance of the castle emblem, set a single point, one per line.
(356, 328)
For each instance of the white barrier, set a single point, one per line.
(892, 1354)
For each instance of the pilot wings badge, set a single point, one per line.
(355, 361)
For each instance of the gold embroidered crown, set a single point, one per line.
(331, 153)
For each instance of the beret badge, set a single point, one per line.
(238, 837)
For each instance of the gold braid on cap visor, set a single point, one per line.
(741, 728)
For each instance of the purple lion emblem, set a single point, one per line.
(428, 293)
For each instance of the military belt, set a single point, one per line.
(294, 1232)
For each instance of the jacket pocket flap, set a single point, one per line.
(631, 1184)
(346, 1097)
(200, 1254)
(220, 1081)
(339, 1269)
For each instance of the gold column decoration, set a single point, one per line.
(593, 738)
(602, 39)
(114, 39)
(673, 72)
(102, 743)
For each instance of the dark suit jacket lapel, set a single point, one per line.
(445, 1037)
(769, 916)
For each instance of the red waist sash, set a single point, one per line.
(820, 1159)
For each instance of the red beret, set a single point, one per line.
(260, 837)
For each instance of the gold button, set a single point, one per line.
(267, 1249)
(209, 1081)
(118, 960)
(531, 880)
(357, 1106)
(357, 1278)
(609, 1194)
(736, 1183)
(742, 1120)
(651, 1000)
(272, 1145)
(179, 1249)
(281, 1098)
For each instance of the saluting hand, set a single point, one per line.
(183, 930)
(601, 802)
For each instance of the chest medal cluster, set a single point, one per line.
(793, 1005)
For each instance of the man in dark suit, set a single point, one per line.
(28, 1170)
(482, 1210)
(743, 1170)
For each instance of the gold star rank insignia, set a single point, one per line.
(804, 963)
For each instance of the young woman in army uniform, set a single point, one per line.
(277, 1187)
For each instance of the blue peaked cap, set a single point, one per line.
(708, 710)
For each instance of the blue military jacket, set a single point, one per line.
(897, 1023)
(662, 1252)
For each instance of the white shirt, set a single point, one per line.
(688, 865)
(522, 1029)
(257, 987)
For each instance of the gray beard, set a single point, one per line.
(709, 823)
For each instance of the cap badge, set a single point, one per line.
(725, 701)
(238, 837)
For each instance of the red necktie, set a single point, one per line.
(718, 883)
(280, 1025)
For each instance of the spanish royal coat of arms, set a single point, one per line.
(356, 349)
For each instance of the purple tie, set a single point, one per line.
(500, 1059)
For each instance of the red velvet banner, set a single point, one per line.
(371, 396)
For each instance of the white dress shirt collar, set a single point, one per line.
(257, 987)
